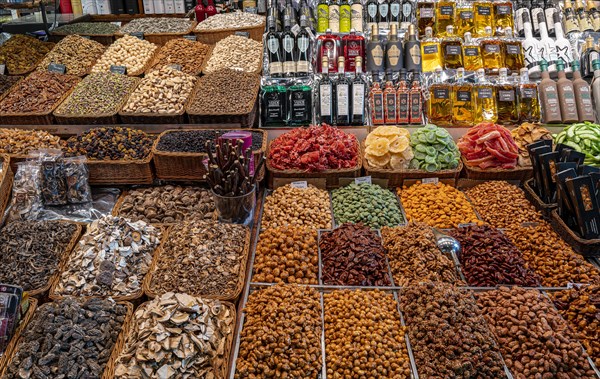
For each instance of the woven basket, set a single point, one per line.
(190, 166)
(533, 197)
(521, 174)
(105, 39)
(8, 353)
(93, 119)
(53, 295)
(214, 36)
(162, 38)
(121, 172)
(231, 296)
(154, 62)
(6, 181)
(587, 248)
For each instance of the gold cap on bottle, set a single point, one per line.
(393, 29)
(411, 29)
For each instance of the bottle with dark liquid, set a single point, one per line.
(376, 105)
(375, 52)
(328, 45)
(416, 100)
(288, 44)
(372, 12)
(412, 51)
(341, 88)
(383, 14)
(354, 46)
(303, 49)
(389, 101)
(408, 9)
(326, 109)
(358, 95)
(299, 104)
(274, 50)
(403, 99)
(395, 13)
(394, 60)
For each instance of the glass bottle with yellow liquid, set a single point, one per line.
(483, 16)
(425, 15)
(529, 104)
(514, 59)
(463, 102)
(485, 99)
(444, 16)
(452, 49)
(439, 106)
(506, 100)
(472, 60)
(491, 52)
(463, 18)
(503, 16)
(431, 54)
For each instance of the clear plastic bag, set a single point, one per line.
(54, 184)
(77, 176)
(26, 201)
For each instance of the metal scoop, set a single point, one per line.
(445, 243)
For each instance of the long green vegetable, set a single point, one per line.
(583, 137)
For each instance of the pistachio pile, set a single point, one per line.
(281, 335)
(225, 91)
(202, 259)
(297, 206)
(88, 28)
(231, 20)
(177, 336)
(77, 53)
(131, 52)
(111, 259)
(19, 141)
(163, 91)
(154, 25)
(287, 255)
(236, 52)
(97, 94)
(167, 204)
(111, 143)
(189, 54)
(368, 203)
(22, 53)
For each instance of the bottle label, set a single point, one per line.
(534, 19)
(484, 93)
(358, 98)
(274, 107)
(568, 94)
(393, 55)
(453, 50)
(519, 27)
(390, 104)
(471, 51)
(416, 113)
(430, 49)
(504, 95)
(303, 66)
(395, 10)
(463, 96)
(564, 53)
(325, 99)
(357, 17)
(549, 12)
(334, 18)
(447, 10)
(345, 19)
(440, 93)
(289, 67)
(342, 100)
(503, 10)
(383, 10)
(491, 48)
(552, 100)
(513, 49)
(466, 15)
(300, 106)
(484, 10)
(322, 18)
(372, 10)
(406, 10)
(273, 45)
(303, 43)
(586, 98)
(378, 107)
(275, 68)
(377, 54)
(426, 13)
(529, 93)
(415, 55)
(288, 43)
(403, 111)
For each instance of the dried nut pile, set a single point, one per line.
(68, 339)
(97, 94)
(19, 141)
(236, 52)
(111, 143)
(231, 20)
(449, 336)
(352, 255)
(167, 204)
(77, 53)
(6, 82)
(502, 204)
(287, 255)
(225, 91)
(414, 256)
(88, 28)
(32, 251)
(189, 54)
(22, 54)
(163, 91)
(194, 141)
(128, 51)
(202, 259)
(111, 259)
(40, 92)
(281, 335)
(488, 258)
(437, 205)
(525, 134)
(534, 339)
(550, 257)
(364, 337)
(156, 25)
(367, 203)
(177, 336)
(581, 308)
(297, 206)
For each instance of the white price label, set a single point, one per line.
(467, 225)
(363, 180)
(296, 29)
(576, 285)
(300, 184)
(430, 181)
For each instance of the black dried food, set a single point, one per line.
(111, 143)
(194, 141)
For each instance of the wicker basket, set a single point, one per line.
(587, 248)
(105, 39)
(232, 296)
(121, 172)
(5, 359)
(533, 197)
(6, 181)
(521, 174)
(190, 166)
(214, 36)
(162, 38)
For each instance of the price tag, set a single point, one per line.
(118, 69)
(243, 34)
(57, 68)
(2, 69)
(576, 285)
(430, 181)
(252, 10)
(175, 66)
(300, 184)
(363, 180)
(467, 225)
(296, 29)
(139, 35)
(191, 38)
(86, 37)
(118, 23)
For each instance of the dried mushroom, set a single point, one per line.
(177, 336)
(111, 259)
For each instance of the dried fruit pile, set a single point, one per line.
(317, 148)
(489, 146)
(434, 149)
(388, 147)
(525, 134)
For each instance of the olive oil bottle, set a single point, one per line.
(439, 109)
(503, 17)
(506, 99)
(483, 16)
(444, 16)
(512, 49)
(529, 104)
(471, 54)
(463, 104)
(431, 53)
(464, 19)
(425, 15)
(491, 51)
(485, 99)
(452, 49)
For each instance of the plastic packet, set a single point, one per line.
(77, 176)
(54, 184)
(26, 201)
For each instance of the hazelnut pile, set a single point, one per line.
(363, 336)
(281, 336)
(297, 206)
(287, 255)
(534, 339)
